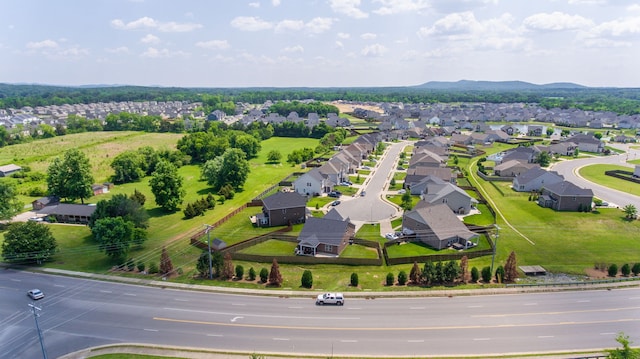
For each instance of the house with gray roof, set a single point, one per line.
(69, 213)
(535, 179)
(566, 196)
(282, 209)
(325, 236)
(436, 225)
(513, 168)
(453, 196)
(312, 183)
(8, 170)
(587, 143)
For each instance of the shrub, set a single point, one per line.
(264, 275)
(140, 266)
(500, 274)
(486, 274)
(613, 270)
(354, 279)
(390, 278)
(307, 279)
(625, 269)
(131, 265)
(402, 278)
(635, 269)
(252, 274)
(153, 268)
(239, 272)
(475, 275)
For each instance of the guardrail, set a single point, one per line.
(567, 284)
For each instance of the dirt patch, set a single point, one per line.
(348, 107)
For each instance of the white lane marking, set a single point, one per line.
(584, 301)
(481, 339)
(151, 330)
(297, 307)
(354, 308)
(530, 303)
(348, 341)
(545, 336)
(236, 318)
(15, 280)
(415, 341)
(417, 308)
(180, 300)
(238, 304)
(105, 291)
(214, 335)
(283, 339)
(260, 315)
(607, 333)
(130, 294)
(58, 285)
(475, 306)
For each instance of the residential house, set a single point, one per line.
(566, 196)
(454, 197)
(535, 179)
(282, 209)
(69, 213)
(426, 158)
(436, 225)
(587, 143)
(418, 174)
(324, 236)
(312, 183)
(521, 153)
(40, 203)
(513, 168)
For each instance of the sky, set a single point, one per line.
(318, 43)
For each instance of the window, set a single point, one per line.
(328, 247)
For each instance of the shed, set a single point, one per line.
(7, 170)
(533, 270)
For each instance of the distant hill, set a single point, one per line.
(467, 85)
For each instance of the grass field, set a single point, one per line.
(595, 173)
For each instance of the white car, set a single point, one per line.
(391, 236)
(35, 294)
(330, 298)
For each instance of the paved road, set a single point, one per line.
(569, 169)
(371, 207)
(78, 313)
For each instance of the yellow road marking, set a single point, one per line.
(553, 313)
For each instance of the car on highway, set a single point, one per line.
(35, 294)
(330, 298)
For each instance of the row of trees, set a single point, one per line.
(133, 165)
(222, 268)
(284, 108)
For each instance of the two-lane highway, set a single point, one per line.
(78, 313)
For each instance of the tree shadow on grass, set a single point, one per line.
(158, 212)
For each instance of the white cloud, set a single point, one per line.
(150, 39)
(617, 28)
(117, 50)
(350, 8)
(214, 44)
(390, 7)
(289, 25)
(250, 23)
(339, 45)
(275, 2)
(633, 7)
(149, 23)
(452, 24)
(556, 21)
(319, 25)
(375, 50)
(587, 2)
(368, 36)
(294, 49)
(153, 52)
(73, 52)
(254, 5)
(42, 44)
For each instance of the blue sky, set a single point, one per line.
(318, 43)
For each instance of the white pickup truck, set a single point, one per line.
(330, 298)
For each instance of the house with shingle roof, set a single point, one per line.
(438, 191)
(436, 225)
(312, 183)
(566, 196)
(535, 179)
(513, 168)
(282, 209)
(325, 236)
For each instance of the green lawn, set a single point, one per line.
(595, 173)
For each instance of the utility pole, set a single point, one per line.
(209, 228)
(35, 316)
(495, 246)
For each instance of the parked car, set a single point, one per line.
(335, 203)
(35, 294)
(363, 193)
(330, 298)
(36, 219)
(402, 191)
(391, 236)
(335, 194)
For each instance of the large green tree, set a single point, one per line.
(70, 177)
(28, 242)
(166, 186)
(128, 167)
(231, 168)
(9, 203)
(114, 236)
(121, 205)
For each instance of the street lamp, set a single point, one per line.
(495, 246)
(35, 316)
(209, 228)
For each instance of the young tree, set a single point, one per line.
(166, 267)
(166, 186)
(275, 278)
(28, 242)
(274, 156)
(428, 273)
(415, 274)
(550, 131)
(227, 267)
(9, 203)
(402, 278)
(354, 279)
(464, 269)
(486, 274)
(500, 274)
(70, 177)
(630, 211)
(137, 196)
(543, 159)
(252, 274)
(390, 279)
(307, 279)
(406, 203)
(264, 275)
(626, 352)
(114, 236)
(438, 273)
(612, 270)
(475, 275)
(239, 272)
(635, 269)
(511, 268)
(625, 270)
(202, 265)
(451, 271)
